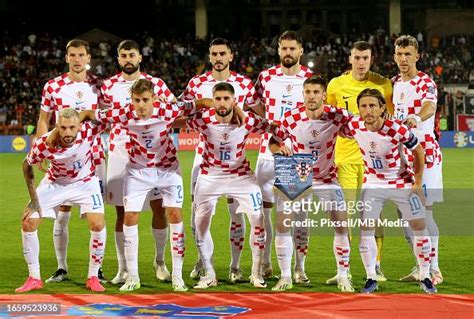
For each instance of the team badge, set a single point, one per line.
(402, 96)
(303, 170)
(79, 95)
(314, 133)
(225, 136)
(373, 145)
(289, 88)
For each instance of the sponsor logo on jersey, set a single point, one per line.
(346, 97)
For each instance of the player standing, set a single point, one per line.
(342, 92)
(224, 164)
(388, 176)
(312, 129)
(153, 166)
(201, 86)
(70, 179)
(415, 96)
(116, 93)
(79, 90)
(280, 89)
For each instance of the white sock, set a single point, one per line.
(267, 218)
(433, 231)
(31, 252)
(257, 242)
(130, 243)
(301, 240)
(161, 237)
(342, 251)
(236, 234)
(408, 235)
(119, 248)
(284, 251)
(368, 252)
(96, 251)
(422, 249)
(177, 248)
(61, 238)
(204, 242)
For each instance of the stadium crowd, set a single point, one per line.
(27, 62)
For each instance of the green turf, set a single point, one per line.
(456, 251)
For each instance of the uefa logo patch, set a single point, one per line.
(460, 139)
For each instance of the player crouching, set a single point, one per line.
(71, 180)
(388, 176)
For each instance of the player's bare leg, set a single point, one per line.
(237, 237)
(342, 251)
(284, 250)
(29, 232)
(175, 218)
(159, 229)
(267, 270)
(130, 239)
(96, 249)
(119, 247)
(61, 242)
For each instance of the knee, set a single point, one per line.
(130, 219)
(97, 225)
(417, 225)
(28, 225)
(174, 215)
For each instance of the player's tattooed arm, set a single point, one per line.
(204, 104)
(180, 122)
(33, 205)
(238, 115)
(276, 148)
(88, 115)
(418, 165)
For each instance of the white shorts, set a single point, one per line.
(331, 198)
(116, 168)
(86, 195)
(142, 184)
(101, 172)
(243, 189)
(433, 184)
(195, 171)
(265, 173)
(408, 203)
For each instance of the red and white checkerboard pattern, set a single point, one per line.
(279, 93)
(61, 93)
(201, 86)
(317, 137)
(408, 99)
(381, 153)
(68, 165)
(151, 143)
(224, 144)
(116, 93)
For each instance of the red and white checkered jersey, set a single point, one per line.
(201, 86)
(151, 143)
(61, 93)
(116, 93)
(280, 93)
(72, 164)
(224, 143)
(316, 137)
(408, 98)
(385, 167)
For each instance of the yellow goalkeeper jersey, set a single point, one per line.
(342, 92)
